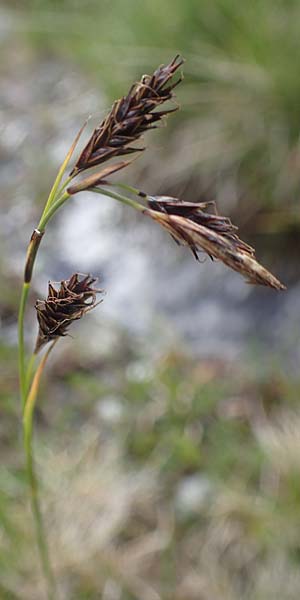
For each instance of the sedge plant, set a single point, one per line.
(195, 225)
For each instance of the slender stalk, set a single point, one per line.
(131, 189)
(28, 401)
(22, 370)
(29, 371)
(32, 478)
(65, 184)
(47, 215)
(119, 197)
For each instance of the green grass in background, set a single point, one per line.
(114, 480)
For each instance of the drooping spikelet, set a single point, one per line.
(69, 303)
(190, 225)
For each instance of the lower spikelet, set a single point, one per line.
(69, 303)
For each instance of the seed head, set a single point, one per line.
(190, 225)
(68, 303)
(130, 117)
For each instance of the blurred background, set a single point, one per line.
(168, 426)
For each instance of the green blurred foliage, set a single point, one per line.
(180, 419)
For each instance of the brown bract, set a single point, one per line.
(190, 225)
(68, 303)
(130, 117)
(98, 178)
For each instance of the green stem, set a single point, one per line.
(47, 215)
(65, 184)
(22, 369)
(119, 197)
(55, 199)
(29, 371)
(132, 190)
(32, 478)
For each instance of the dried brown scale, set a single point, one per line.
(223, 246)
(194, 212)
(69, 303)
(130, 117)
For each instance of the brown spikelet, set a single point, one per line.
(69, 303)
(190, 225)
(130, 117)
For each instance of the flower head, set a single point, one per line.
(190, 225)
(130, 117)
(68, 303)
